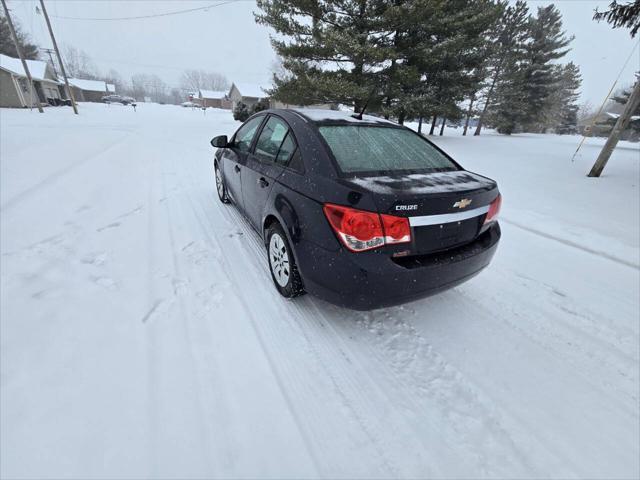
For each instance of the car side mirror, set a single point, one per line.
(220, 141)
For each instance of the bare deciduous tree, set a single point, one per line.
(200, 79)
(78, 63)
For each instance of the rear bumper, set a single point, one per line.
(365, 281)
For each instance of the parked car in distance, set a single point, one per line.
(118, 99)
(190, 104)
(357, 210)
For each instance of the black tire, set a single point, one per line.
(221, 189)
(282, 264)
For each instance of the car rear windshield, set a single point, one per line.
(369, 148)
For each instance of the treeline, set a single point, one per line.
(8, 47)
(427, 60)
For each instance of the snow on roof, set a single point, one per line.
(37, 68)
(617, 115)
(212, 94)
(249, 90)
(111, 88)
(319, 115)
(89, 85)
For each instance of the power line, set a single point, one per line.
(140, 17)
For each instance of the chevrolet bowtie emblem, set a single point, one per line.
(465, 202)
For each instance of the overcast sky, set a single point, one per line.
(227, 40)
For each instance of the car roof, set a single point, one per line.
(317, 115)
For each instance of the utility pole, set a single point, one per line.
(614, 136)
(19, 50)
(55, 47)
(49, 51)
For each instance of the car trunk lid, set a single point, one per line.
(445, 209)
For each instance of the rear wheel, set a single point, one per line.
(220, 188)
(282, 265)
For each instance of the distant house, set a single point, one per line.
(246, 93)
(601, 125)
(212, 98)
(15, 90)
(89, 90)
(252, 94)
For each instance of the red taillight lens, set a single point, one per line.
(360, 230)
(494, 210)
(396, 229)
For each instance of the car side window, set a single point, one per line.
(244, 136)
(270, 139)
(286, 149)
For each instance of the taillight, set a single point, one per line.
(494, 210)
(360, 230)
(396, 229)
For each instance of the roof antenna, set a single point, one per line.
(358, 116)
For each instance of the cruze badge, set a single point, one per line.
(406, 207)
(465, 202)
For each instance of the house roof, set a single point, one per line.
(89, 85)
(617, 115)
(602, 117)
(249, 90)
(37, 68)
(212, 94)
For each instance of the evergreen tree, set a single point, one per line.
(632, 131)
(508, 38)
(434, 46)
(7, 47)
(260, 105)
(509, 105)
(563, 116)
(547, 44)
(463, 51)
(622, 15)
(331, 49)
(401, 58)
(527, 96)
(240, 112)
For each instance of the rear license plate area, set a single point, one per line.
(433, 238)
(449, 232)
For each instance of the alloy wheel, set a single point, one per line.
(279, 260)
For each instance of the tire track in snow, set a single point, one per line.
(569, 243)
(48, 180)
(426, 382)
(587, 340)
(230, 274)
(205, 443)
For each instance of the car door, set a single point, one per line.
(234, 158)
(263, 168)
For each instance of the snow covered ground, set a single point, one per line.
(141, 335)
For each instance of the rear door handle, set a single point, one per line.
(237, 169)
(262, 182)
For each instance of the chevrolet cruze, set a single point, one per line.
(357, 210)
